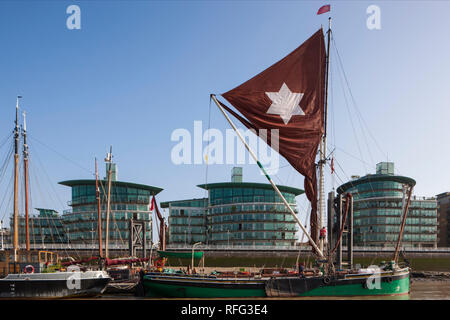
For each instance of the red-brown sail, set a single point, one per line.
(289, 96)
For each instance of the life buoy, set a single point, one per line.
(27, 267)
(326, 280)
(159, 263)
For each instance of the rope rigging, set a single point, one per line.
(33, 174)
(344, 219)
(361, 118)
(4, 168)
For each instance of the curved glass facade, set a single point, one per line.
(45, 228)
(128, 201)
(85, 193)
(378, 201)
(377, 189)
(234, 214)
(187, 221)
(243, 215)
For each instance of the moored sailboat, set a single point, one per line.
(26, 283)
(291, 97)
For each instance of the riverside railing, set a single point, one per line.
(182, 247)
(65, 246)
(300, 247)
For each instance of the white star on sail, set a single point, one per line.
(285, 103)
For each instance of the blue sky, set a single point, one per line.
(137, 70)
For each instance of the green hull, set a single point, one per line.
(180, 291)
(396, 287)
(191, 287)
(201, 288)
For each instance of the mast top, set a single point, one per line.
(17, 110)
(24, 134)
(17, 101)
(24, 121)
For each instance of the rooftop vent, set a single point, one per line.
(236, 174)
(385, 168)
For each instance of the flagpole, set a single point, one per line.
(268, 177)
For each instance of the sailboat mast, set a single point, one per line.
(25, 165)
(108, 160)
(16, 183)
(402, 226)
(326, 84)
(97, 194)
(323, 142)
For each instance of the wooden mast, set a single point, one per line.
(402, 226)
(97, 195)
(108, 161)
(25, 165)
(323, 142)
(16, 184)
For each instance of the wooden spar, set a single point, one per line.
(1, 234)
(326, 82)
(313, 244)
(402, 227)
(16, 184)
(97, 194)
(25, 166)
(27, 218)
(108, 160)
(162, 225)
(164, 234)
(301, 241)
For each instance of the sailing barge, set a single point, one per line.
(202, 286)
(291, 97)
(352, 284)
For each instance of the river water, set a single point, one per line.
(421, 289)
(430, 290)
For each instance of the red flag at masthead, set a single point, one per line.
(324, 9)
